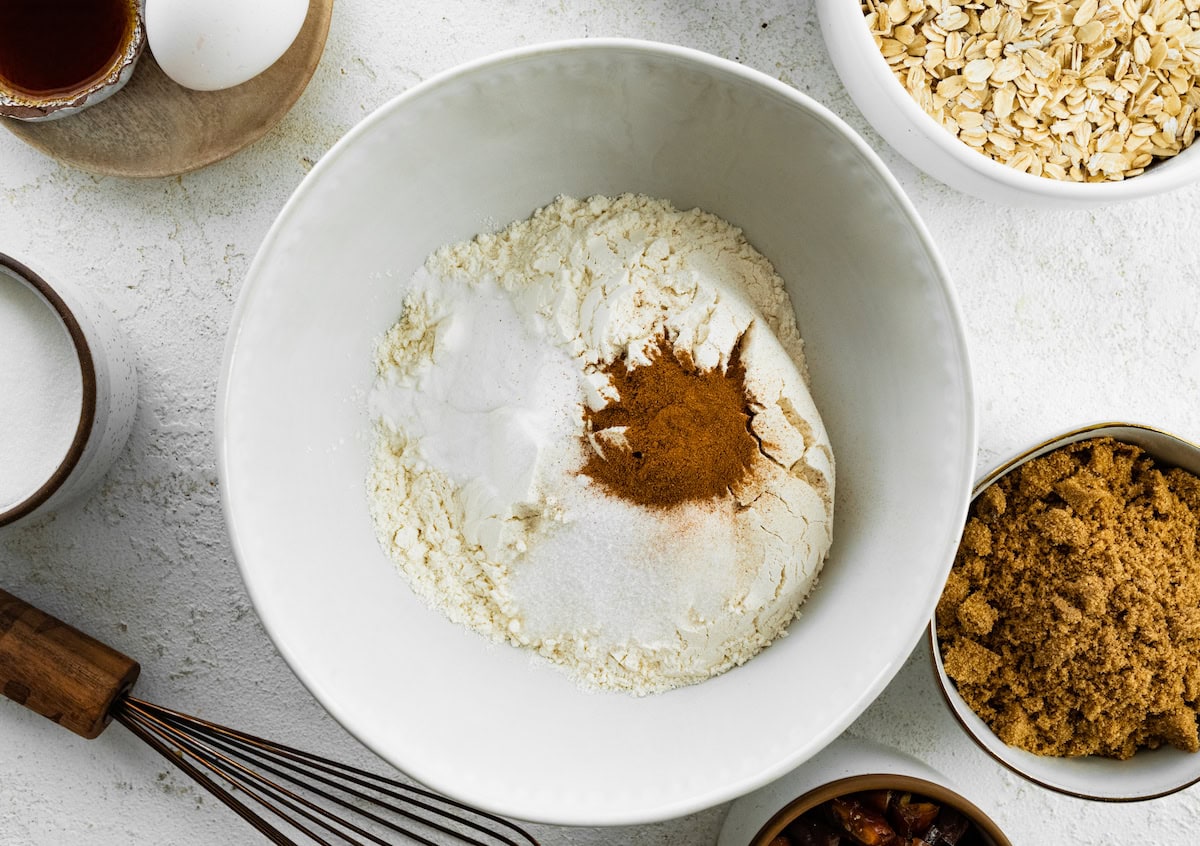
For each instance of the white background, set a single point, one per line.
(1072, 318)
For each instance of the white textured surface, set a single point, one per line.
(1072, 317)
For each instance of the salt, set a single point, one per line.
(41, 391)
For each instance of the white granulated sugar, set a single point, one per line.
(476, 489)
(41, 391)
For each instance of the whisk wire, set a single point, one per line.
(237, 758)
(264, 754)
(201, 778)
(362, 777)
(252, 784)
(286, 772)
(282, 795)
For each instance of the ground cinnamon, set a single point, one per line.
(686, 431)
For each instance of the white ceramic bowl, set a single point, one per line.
(918, 137)
(108, 400)
(848, 765)
(1148, 774)
(489, 143)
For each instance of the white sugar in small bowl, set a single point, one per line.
(69, 391)
(1149, 774)
(468, 152)
(895, 115)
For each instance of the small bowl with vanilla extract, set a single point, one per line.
(57, 58)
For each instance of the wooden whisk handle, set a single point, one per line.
(58, 671)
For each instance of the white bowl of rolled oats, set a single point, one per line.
(1029, 102)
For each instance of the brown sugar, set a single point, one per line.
(1070, 622)
(684, 432)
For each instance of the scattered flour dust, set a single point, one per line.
(476, 490)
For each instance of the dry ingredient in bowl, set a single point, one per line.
(596, 441)
(1086, 90)
(1070, 622)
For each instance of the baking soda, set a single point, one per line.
(41, 391)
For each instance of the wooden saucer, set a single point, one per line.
(153, 127)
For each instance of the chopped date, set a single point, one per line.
(879, 818)
(866, 826)
(948, 830)
(879, 800)
(911, 817)
(808, 830)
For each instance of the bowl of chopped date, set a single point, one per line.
(857, 792)
(1028, 103)
(1067, 638)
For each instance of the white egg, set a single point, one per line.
(212, 44)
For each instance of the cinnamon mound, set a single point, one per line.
(684, 432)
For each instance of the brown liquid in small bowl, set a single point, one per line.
(55, 53)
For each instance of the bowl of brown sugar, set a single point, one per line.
(1067, 638)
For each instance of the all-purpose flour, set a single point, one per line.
(475, 487)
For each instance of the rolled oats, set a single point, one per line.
(1079, 90)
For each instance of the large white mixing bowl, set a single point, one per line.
(484, 145)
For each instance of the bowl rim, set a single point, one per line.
(87, 367)
(879, 780)
(250, 292)
(944, 683)
(849, 17)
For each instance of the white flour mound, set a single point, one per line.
(475, 488)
